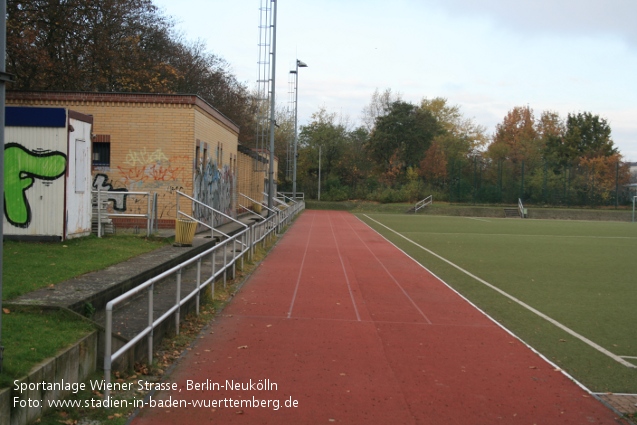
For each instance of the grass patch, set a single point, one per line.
(169, 352)
(24, 348)
(578, 273)
(33, 265)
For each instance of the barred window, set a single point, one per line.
(101, 150)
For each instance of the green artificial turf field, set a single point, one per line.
(582, 275)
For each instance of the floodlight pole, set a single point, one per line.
(272, 112)
(299, 64)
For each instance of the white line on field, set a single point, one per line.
(478, 219)
(520, 235)
(512, 298)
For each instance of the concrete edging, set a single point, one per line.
(73, 365)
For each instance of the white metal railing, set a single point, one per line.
(272, 219)
(247, 238)
(287, 211)
(521, 208)
(149, 286)
(300, 196)
(208, 207)
(148, 216)
(422, 204)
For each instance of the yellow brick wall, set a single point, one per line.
(250, 181)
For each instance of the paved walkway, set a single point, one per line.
(338, 326)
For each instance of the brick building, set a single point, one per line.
(159, 143)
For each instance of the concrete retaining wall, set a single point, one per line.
(73, 365)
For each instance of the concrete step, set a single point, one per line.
(512, 213)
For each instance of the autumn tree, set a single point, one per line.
(117, 46)
(433, 167)
(604, 174)
(516, 138)
(88, 45)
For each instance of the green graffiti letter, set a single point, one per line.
(21, 168)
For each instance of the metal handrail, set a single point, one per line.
(277, 200)
(250, 211)
(257, 202)
(422, 204)
(282, 194)
(205, 206)
(109, 357)
(301, 197)
(148, 215)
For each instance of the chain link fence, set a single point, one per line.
(479, 181)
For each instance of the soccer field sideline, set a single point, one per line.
(619, 379)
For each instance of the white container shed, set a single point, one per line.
(47, 173)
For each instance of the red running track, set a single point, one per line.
(356, 332)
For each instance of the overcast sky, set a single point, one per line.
(487, 56)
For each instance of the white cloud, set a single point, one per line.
(572, 17)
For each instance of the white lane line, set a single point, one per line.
(374, 322)
(391, 276)
(582, 338)
(298, 280)
(340, 257)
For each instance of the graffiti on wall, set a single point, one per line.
(145, 169)
(21, 168)
(213, 187)
(143, 157)
(100, 182)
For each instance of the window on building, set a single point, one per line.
(197, 149)
(101, 150)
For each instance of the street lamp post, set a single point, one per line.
(299, 64)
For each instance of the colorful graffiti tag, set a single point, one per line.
(214, 188)
(100, 182)
(145, 169)
(21, 167)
